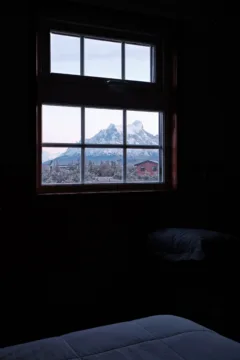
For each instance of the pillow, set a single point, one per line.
(180, 244)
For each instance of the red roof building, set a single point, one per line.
(150, 167)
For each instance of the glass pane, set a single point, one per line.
(103, 165)
(102, 58)
(103, 126)
(142, 165)
(61, 166)
(142, 128)
(65, 54)
(61, 124)
(137, 62)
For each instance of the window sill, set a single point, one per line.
(103, 189)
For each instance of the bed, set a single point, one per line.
(162, 337)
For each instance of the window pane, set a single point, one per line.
(103, 166)
(142, 165)
(61, 124)
(103, 126)
(142, 128)
(61, 166)
(65, 54)
(137, 62)
(102, 58)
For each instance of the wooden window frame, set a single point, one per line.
(61, 89)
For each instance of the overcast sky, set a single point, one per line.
(102, 59)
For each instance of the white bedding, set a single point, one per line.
(162, 337)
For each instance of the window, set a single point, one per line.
(76, 55)
(106, 157)
(102, 112)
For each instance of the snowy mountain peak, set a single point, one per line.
(110, 135)
(111, 127)
(135, 127)
(113, 134)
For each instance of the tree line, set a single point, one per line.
(70, 174)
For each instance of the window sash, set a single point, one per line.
(81, 31)
(164, 148)
(82, 60)
(125, 146)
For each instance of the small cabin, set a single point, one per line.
(148, 166)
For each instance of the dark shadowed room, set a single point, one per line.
(119, 207)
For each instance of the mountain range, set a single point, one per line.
(113, 134)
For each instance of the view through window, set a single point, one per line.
(83, 145)
(116, 145)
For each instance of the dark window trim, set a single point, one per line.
(58, 89)
(104, 187)
(109, 19)
(66, 90)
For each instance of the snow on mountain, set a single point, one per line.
(135, 128)
(111, 135)
(136, 135)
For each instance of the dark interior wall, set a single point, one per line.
(205, 130)
(195, 150)
(208, 138)
(197, 157)
(67, 220)
(61, 250)
(90, 218)
(97, 235)
(227, 101)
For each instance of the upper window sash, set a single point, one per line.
(156, 53)
(96, 91)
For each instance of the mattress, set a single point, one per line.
(162, 337)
